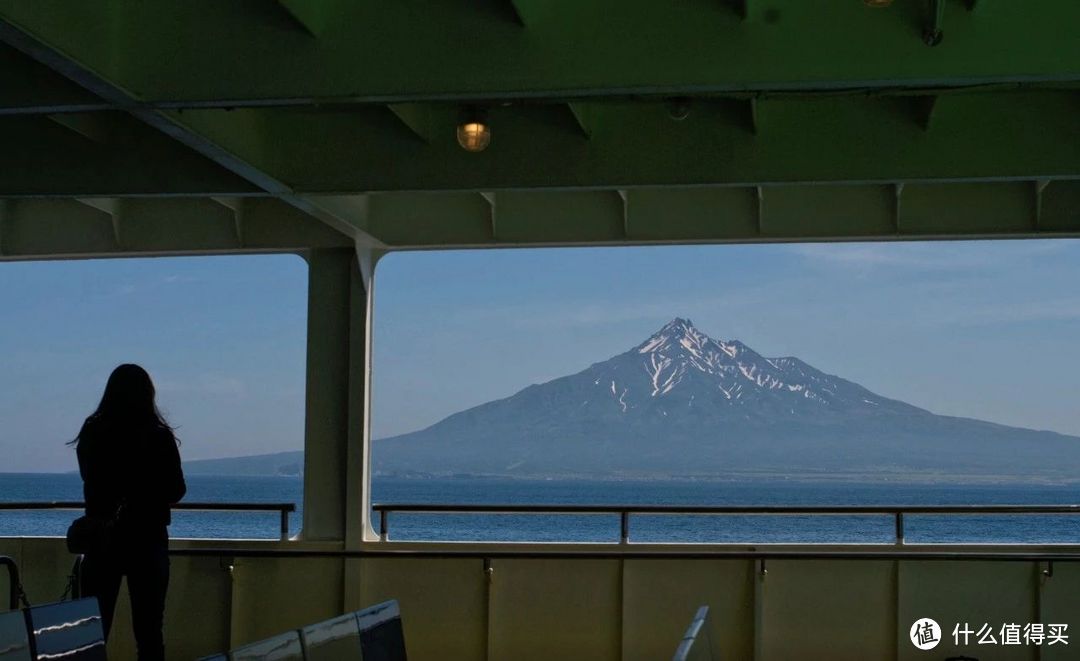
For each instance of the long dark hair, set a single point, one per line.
(128, 401)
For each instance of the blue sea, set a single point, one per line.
(597, 528)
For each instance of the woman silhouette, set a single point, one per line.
(131, 474)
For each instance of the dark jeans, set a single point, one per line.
(147, 570)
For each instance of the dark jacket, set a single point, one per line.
(136, 466)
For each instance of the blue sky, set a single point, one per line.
(223, 338)
(980, 329)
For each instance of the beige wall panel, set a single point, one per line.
(660, 598)
(1060, 604)
(555, 609)
(273, 595)
(820, 609)
(45, 565)
(196, 612)
(978, 593)
(443, 603)
(198, 601)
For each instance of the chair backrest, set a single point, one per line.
(14, 641)
(381, 635)
(69, 630)
(695, 644)
(333, 640)
(285, 647)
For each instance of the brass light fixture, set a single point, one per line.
(473, 131)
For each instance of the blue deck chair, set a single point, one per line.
(68, 630)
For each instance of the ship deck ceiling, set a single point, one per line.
(175, 127)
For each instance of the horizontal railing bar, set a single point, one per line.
(219, 507)
(433, 508)
(636, 555)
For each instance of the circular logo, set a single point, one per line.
(925, 634)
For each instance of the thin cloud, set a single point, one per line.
(941, 256)
(1063, 309)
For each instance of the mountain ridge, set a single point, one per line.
(683, 402)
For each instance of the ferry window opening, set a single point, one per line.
(223, 338)
(859, 374)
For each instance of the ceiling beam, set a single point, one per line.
(417, 117)
(103, 155)
(584, 115)
(728, 214)
(311, 15)
(527, 12)
(5, 211)
(171, 124)
(51, 228)
(27, 87)
(92, 126)
(828, 139)
(161, 55)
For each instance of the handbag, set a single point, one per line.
(92, 534)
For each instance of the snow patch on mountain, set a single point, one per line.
(679, 354)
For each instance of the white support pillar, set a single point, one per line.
(336, 369)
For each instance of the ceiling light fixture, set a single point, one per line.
(473, 131)
(678, 108)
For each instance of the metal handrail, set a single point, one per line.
(420, 551)
(283, 508)
(624, 511)
(15, 590)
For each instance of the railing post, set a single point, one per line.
(284, 524)
(624, 527)
(899, 528)
(383, 532)
(15, 589)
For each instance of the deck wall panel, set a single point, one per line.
(555, 609)
(660, 598)
(820, 609)
(272, 595)
(589, 608)
(443, 603)
(1059, 603)
(972, 592)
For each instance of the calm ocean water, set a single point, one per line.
(601, 528)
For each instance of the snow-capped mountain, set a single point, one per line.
(679, 366)
(683, 403)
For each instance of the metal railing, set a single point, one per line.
(15, 590)
(897, 512)
(283, 508)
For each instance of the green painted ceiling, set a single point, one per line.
(130, 126)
